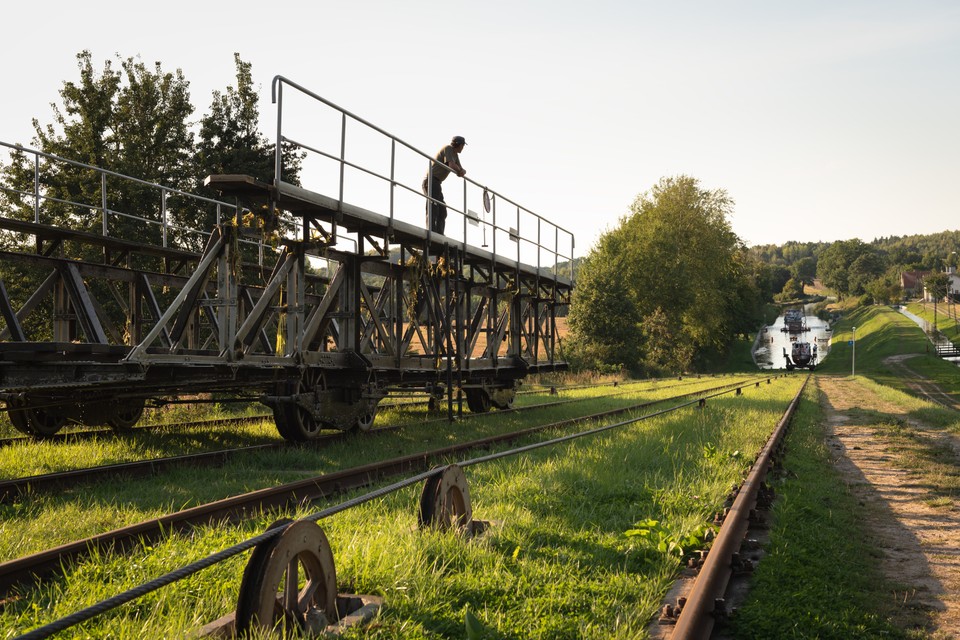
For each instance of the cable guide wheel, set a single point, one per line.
(445, 501)
(290, 583)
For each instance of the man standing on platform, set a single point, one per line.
(448, 156)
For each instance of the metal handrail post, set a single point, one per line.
(428, 225)
(343, 156)
(573, 243)
(518, 243)
(103, 201)
(556, 254)
(278, 152)
(163, 216)
(36, 188)
(539, 248)
(393, 183)
(494, 230)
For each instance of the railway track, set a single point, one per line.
(27, 569)
(696, 613)
(14, 488)
(173, 427)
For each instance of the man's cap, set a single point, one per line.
(458, 140)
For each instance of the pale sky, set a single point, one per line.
(822, 120)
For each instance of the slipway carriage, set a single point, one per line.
(317, 302)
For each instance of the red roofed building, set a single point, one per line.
(912, 282)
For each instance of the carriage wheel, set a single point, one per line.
(19, 421)
(295, 422)
(290, 582)
(504, 402)
(478, 400)
(365, 421)
(445, 501)
(127, 415)
(37, 422)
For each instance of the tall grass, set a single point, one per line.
(555, 564)
(30, 524)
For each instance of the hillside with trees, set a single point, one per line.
(858, 268)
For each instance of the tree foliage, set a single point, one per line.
(230, 140)
(853, 267)
(792, 290)
(805, 269)
(846, 266)
(669, 286)
(133, 121)
(136, 120)
(937, 285)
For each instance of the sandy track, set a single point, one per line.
(918, 535)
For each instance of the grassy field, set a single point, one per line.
(558, 562)
(882, 333)
(945, 317)
(37, 522)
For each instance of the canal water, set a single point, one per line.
(773, 340)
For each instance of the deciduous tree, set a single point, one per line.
(673, 277)
(135, 122)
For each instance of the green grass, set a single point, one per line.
(36, 457)
(556, 564)
(915, 408)
(739, 359)
(945, 324)
(37, 522)
(819, 578)
(883, 332)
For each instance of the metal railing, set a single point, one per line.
(47, 169)
(96, 215)
(537, 241)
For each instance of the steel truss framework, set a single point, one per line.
(101, 325)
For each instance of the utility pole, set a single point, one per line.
(935, 318)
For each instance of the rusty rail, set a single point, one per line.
(698, 615)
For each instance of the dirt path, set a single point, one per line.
(917, 530)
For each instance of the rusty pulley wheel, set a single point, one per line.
(290, 582)
(445, 501)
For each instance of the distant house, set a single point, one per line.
(953, 287)
(912, 282)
